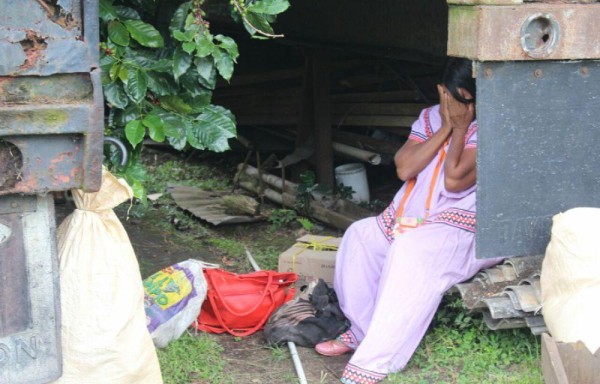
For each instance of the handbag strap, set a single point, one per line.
(432, 184)
(258, 302)
(245, 332)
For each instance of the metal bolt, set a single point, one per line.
(487, 72)
(538, 73)
(584, 71)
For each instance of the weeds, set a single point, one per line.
(192, 358)
(280, 218)
(461, 349)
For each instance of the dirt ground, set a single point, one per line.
(248, 360)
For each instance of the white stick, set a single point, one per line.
(291, 344)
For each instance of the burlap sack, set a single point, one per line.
(570, 278)
(104, 334)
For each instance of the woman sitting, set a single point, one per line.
(392, 270)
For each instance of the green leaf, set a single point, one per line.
(115, 95)
(144, 33)
(204, 46)
(161, 84)
(135, 132)
(123, 73)
(181, 62)
(117, 50)
(269, 7)
(207, 71)
(147, 61)
(117, 33)
(189, 47)
(106, 62)
(178, 143)
(184, 36)
(173, 125)
(225, 66)
(202, 100)
(107, 11)
(152, 121)
(114, 71)
(127, 13)
(178, 19)
(155, 127)
(229, 45)
(137, 85)
(212, 129)
(175, 103)
(124, 116)
(258, 21)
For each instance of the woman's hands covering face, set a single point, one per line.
(455, 114)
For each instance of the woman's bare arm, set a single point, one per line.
(414, 156)
(459, 166)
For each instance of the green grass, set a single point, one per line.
(461, 349)
(192, 358)
(179, 172)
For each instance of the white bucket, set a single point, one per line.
(354, 175)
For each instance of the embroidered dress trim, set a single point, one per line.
(386, 221)
(458, 218)
(420, 136)
(354, 375)
(428, 130)
(472, 129)
(349, 339)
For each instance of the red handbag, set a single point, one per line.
(241, 304)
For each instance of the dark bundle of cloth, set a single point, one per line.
(310, 318)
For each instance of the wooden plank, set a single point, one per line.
(365, 142)
(365, 97)
(494, 33)
(552, 368)
(402, 109)
(374, 121)
(579, 363)
(264, 77)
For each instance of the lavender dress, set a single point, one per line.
(390, 288)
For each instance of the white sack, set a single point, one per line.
(570, 278)
(173, 298)
(104, 334)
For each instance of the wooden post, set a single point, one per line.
(322, 127)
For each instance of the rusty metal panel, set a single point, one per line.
(30, 349)
(43, 37)
(532, 31)
(54, 126)
(537, 151)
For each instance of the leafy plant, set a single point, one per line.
(279, 218)
(160, 84)
(304, 190)
(345, 192)
(306, 223)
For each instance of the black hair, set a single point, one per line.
(458, 73)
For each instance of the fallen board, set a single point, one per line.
(207, 205)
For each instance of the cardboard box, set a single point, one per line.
(312, 257)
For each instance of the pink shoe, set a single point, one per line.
(332, 348)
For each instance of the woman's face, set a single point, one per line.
(461, 92)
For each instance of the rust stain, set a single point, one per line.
(33, 46)
(58, 15)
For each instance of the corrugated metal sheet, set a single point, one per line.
(508, 295)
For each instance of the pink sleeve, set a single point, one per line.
(418, 130)
(471, 136)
